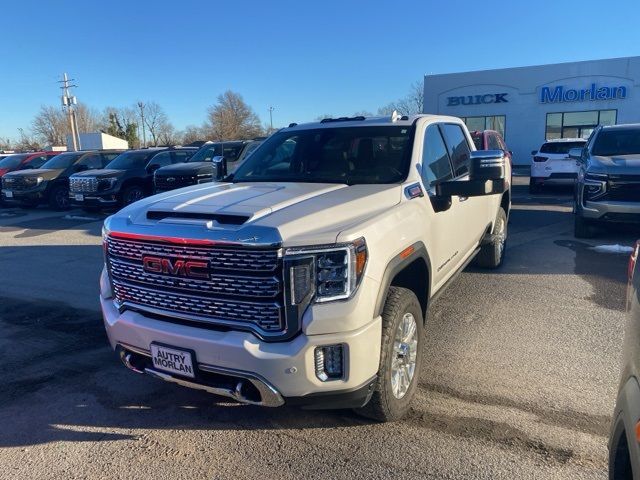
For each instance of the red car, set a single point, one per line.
(21, 161)
(491, 140)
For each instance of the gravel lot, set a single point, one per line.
(520, 379)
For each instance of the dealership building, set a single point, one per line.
(529, 105)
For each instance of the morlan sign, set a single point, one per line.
(560, 94)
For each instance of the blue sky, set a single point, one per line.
(306, 58)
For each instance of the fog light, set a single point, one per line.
(329, 362)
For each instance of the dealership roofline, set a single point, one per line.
(426, 75)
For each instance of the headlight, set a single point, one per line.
(107, 183)
(325, 274)
(33, 180)
(595, 185)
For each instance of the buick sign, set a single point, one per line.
(477, 99)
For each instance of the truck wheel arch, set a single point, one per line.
(505, 203)
(413, 272)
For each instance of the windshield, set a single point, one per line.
(207, 152)
(560, 147)
(355, 155)
(610, 143)
(130, 160)
(248, 150)
(64, 160)
(13, 161)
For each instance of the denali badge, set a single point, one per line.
(178, 268)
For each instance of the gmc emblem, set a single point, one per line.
(176, 268)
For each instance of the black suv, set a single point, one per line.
(50, 183)
(200, 168)
(128, 178)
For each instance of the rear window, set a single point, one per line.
(560, 147)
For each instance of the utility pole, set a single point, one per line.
(68, 103)
(144, 134)
(271, 109)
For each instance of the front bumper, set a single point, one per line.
(627, 212)
(286, 368)
(32, 195)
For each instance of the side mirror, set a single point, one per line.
(220, 167)
(486, 177)
(575, 153)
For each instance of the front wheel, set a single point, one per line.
(400, 359)
(131, 194)
(491, 253)
(59, 198)
(534, 185)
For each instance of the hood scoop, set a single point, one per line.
(220, 218)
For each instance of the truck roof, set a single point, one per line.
(389, 120)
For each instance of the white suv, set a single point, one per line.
(305, 276)
(552, 164)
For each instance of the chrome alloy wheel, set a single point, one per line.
(501, 235)
(405, 355)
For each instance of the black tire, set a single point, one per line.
(619, 458)
(534, 186)
(582, 228)
(492, 254)
(59, 198)
(384, 405)
(131, 194)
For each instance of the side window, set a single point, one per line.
(458, 148)
(91, 161)
(161, 160)
(181, 156)
(436, 166)
(493, 143)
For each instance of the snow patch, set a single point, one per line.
(612, 249)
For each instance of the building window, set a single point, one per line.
(577, 124)
(495, 122)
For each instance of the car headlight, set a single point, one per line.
(595, 185)
(107, 183)
(33, 180)
(325, 274)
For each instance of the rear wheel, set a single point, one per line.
(59, 197)
(400, 359)
(582, 228)
(491, 254)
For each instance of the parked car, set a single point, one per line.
(128, 178)
(624, 448)
(22, 161)
(552, 165)
(50, 183)
(491, 140)
(608, 184)
(200, 168)
(305, 277)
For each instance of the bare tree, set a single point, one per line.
(193, 133)
(121, 123)
(50, 125)
(232, 119)
(87, 118)
(155, 119)
(410, 104)
(167, 134)
(27, 142)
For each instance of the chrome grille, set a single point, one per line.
(83, 184)
(244, 285)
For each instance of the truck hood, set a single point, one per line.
(46, 173)
(289, 213)
(620, 165)
(191, 168)
(99, 173)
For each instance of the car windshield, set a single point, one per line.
(477, 140)
(560, 147)
(64, 160)
(610, 143)
(130, 160)
(356, 155)
(248, 150)
(207, 152)
(13, 161)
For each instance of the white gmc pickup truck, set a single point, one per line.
(305, 277)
